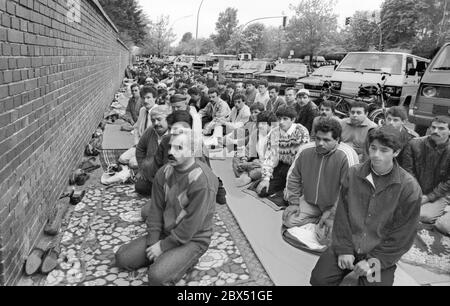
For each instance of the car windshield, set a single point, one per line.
(259, 66)
(324, 71)
(372, 62)
(443, 60)
(291, 68)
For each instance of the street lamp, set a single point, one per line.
(196, 31)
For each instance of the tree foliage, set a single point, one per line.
(128, 18)
(363, 32)
(160, 37)
(314, 22)
(204, 45)
(187, 37)
(225, 26)
(413, 24)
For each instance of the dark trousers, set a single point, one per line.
(168, 268)
(142, 185)
(278, 181)
(327, 272)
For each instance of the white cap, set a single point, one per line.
(302, 92)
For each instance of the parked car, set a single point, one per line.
(227, 66)
(315, 81)
(249, 71)
(359, 69)
(183, 61)
(206, 63)
(285, 75)
(433, 97)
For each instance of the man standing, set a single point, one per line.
(307, 111)
(283, 144)
(430, 161)
(376, 218)
(326, 111)
(314, 180)
(147, 147)
(356, 128)
(180, 222)
(275, 101)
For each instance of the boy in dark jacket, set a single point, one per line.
(376, 218)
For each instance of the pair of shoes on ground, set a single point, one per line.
(43, 260)
(78, 177)
(116, 174)
(89, 164)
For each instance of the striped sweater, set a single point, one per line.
(283, 147)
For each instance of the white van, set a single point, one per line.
(368, 68)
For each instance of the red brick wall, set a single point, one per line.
(57, 77)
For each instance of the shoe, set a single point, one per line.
(54, 223)
(117, 178)
(221, 194)
(77, 197)
(34, 261)
(50, 261)
(78, 177)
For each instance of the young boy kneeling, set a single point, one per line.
(376, 218)
(180, 222)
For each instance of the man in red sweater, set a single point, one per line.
(180, 223)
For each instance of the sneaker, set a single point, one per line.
(118, 178)
(221, 194)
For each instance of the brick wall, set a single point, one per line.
(58, 74)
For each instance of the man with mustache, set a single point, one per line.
(147, 146)
(356, 128)
(429, 158)
(180, 222)
(314, 180)
(376, 218)
(326, 111)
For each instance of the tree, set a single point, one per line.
(413, 24)
(186, 37)
(311, 27)
(129, 20)
(205, 45)
(363, 32)
(275, 39)
(225, 27)
(161, 36)
(254, 35)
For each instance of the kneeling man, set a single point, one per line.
(376, 218)
(314, 180)
(180, 222)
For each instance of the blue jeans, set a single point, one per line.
(168, 268)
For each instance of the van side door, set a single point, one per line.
(411, 81)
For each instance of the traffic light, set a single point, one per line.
(284, 21)
(348, 20)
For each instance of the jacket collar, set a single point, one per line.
(392, 178)
(432, 144)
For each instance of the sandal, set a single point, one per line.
(34, 261)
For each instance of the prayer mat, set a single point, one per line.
(109, 157)
(109, 218)
(431, 250)
(275, 201)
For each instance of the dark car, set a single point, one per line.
(249, 71)
(285, 75)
